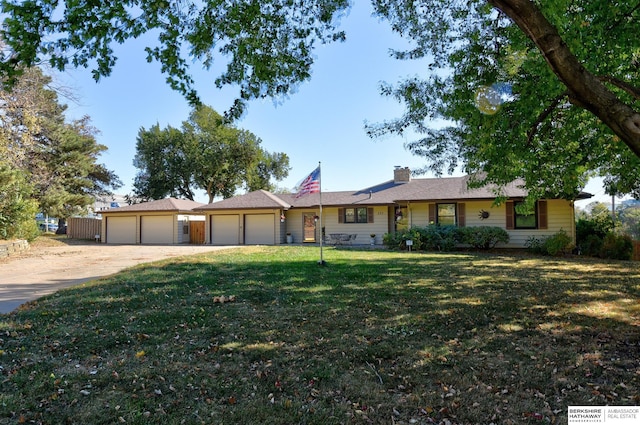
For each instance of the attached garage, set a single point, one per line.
(259, 229)
(256, 218)
(165, 221)
(156, 229)
(120, 229)
(225, 229)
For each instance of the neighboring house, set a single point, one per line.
(105, 203)
(261, 217)
(165, 221)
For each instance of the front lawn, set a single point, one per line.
(267, 336)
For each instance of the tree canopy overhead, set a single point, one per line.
(267, 44)
(542, 90)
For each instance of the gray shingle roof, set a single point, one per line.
(387, 193)
(167, 204)
(251, 200)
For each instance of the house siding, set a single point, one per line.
(379, 227)
(560, 217)
(332, 224)
(294, 223)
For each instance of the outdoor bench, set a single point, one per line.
(341, 238)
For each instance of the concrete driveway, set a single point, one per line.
(34, 274)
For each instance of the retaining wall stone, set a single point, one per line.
(12, 248)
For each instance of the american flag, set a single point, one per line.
(311, 184)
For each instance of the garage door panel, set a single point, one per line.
(121, 230)
(156, 229)
(259, 229)
(225, 229)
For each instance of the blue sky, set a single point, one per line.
(323, 121)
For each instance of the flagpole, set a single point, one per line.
(320, 220)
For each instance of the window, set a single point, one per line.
(449, 214)
(446, 214)
(355, 215)
(521, 217)
(525, 218)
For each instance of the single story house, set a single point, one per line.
(165, 221)
(261, 217)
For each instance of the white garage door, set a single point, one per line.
(156, 229)
(225, 229)
(259, 229)
(121, 230)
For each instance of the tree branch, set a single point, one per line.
(632, 90)
(625, 16)
(543, 116)
(585, 89)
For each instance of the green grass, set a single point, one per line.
(373, 337)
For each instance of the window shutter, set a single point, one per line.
(432, 213)
(340, 215)
(369, 215)
(462, 219)
(542, 215)
(510, 215)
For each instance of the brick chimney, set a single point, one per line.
(401, 175)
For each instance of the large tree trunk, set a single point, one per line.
(586, 90)
(62, 226)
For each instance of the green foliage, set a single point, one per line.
(267, 45)
(546, 91)
(446, 238)
(558, 244)
(436, 238)
(59, 158)
(510, 115)
(483, 237)
(17, 208)
(596, 234)
(206, 153)
(590, 245)
(616, 247)
(630, 221)
(535, 245)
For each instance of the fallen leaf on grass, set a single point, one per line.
(224, 299)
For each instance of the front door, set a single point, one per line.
(309, 230)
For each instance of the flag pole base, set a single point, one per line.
(322, 263)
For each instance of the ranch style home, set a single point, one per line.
(264, 218)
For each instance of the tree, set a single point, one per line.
(521, 89)
(539, 90)
(206, 153)
(269, 44)
(58, 158)
(17, 208)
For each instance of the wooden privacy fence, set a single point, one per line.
(83, 228)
